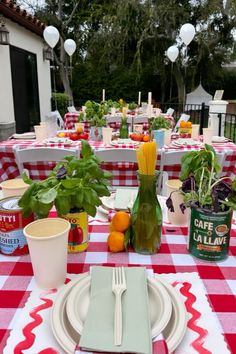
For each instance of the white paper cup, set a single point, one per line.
(47, 240)
(13, 187)
(177, 217)
(113, 111)
(207, 135)
(167, 136)
(40, 132)
(195, 131)
(106, 135)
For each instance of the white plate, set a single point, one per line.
(125, 142)
(185, 142)
(58, 140)
(160, 305)
(68, 338)
(108, 203)
(177, 326)
(219, 139)
(24, 136)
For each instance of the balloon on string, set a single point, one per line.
(187, 33)
(69, 46)
(51, 36)
(172, 53)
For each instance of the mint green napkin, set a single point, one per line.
(99, 325)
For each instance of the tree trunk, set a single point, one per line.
(64, 72)
(179, 77)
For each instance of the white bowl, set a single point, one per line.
(13, 187)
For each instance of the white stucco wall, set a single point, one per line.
(22, 38)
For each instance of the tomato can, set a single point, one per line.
(209, 234)
(12, 239)
(78, 235)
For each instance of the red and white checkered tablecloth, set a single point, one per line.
(219, 278)
(124, 174)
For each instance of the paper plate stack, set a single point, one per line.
(167, 312)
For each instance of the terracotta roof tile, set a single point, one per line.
(21, 16)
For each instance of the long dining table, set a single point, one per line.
(19, 296)
(124, 174)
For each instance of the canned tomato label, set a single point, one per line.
(12, 239)
(78, 234)
(209, 234)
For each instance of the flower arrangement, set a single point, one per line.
(159, 122)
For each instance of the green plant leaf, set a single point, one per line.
(47, 196)
(70, 183)
(90, 209)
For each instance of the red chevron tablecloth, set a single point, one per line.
(219, 279)
(124, 174)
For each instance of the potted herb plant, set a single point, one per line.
(74, 187)
(211, 199)
(95, 114)
(160, 129)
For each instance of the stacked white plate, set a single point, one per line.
(167, 312)
(185, 142)
(125, 141)
(24, 136)
(58, 140)
(219, 139)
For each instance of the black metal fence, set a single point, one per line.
(199, 114)
(229, 125)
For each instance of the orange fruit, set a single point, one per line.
(61, 135)
(183, 124)
(120, 221)
(116, 241)
(79, 130)
(189, 124)
(146, 138)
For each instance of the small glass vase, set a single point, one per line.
(124, 130)
(146, 217)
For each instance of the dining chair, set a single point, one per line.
(113, 119)
(41, 154)
(140, 119)
(60, 122)
(168, 158)
(72, 109)
(116, 155)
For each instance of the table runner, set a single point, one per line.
(219, 278)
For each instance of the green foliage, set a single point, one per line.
(159, 123)
(62, 102)
(74, 184)
(95, 113)
(201, 184)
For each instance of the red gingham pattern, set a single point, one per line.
(219, 278)
(124, 174)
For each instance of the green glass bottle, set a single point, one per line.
(146, 217)
(124, 130)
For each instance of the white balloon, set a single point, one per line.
(187, 33)
(172, 53)
(69, 46)
(51, 36)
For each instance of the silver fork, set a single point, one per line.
(118, 287)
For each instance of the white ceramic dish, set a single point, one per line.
(160, 305)
(125, 142)
(67, 337)
(13, 187)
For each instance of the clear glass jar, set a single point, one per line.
(146, 217)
